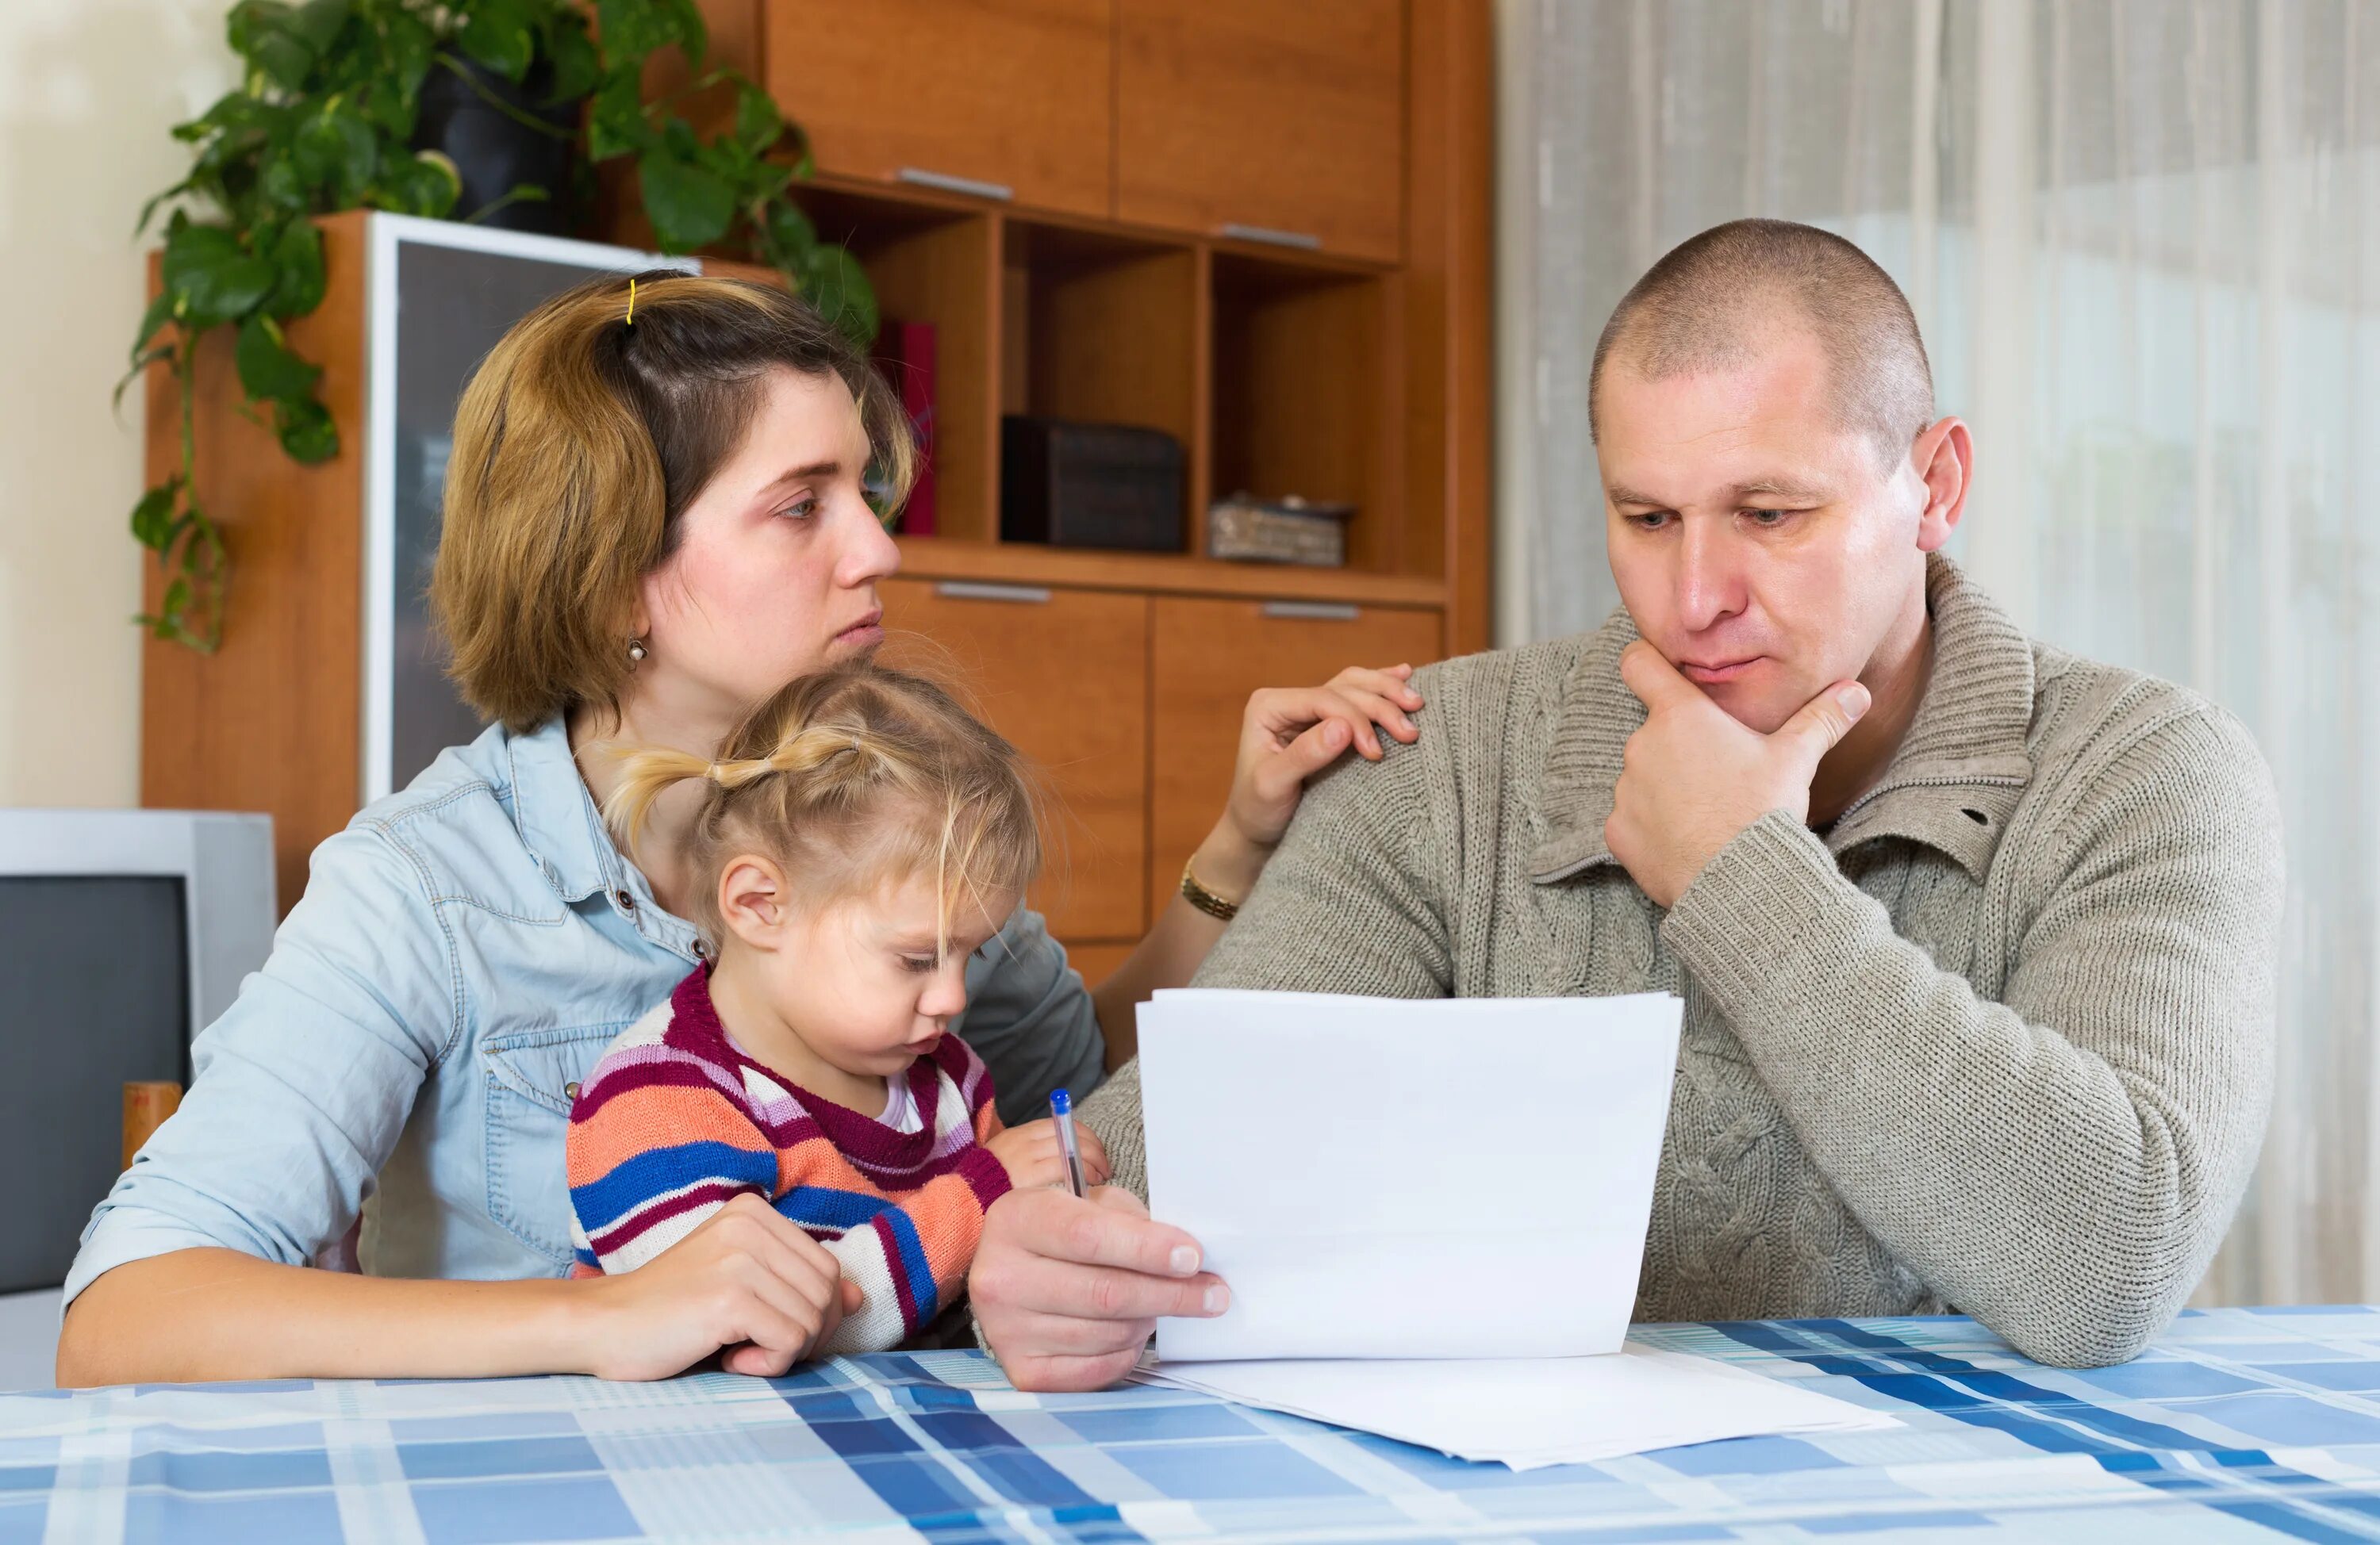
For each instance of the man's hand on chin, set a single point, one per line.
(1694, 778)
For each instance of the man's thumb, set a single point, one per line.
(1826, 719)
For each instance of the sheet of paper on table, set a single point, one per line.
(1432, 1216)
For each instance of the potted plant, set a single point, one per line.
(494, 110)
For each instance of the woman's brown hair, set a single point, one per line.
(851, 779)
(578, 444)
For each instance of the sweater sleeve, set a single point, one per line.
(910, 1259)
(2063, 1163)
(653, 1153)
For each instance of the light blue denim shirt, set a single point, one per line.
(464, 953)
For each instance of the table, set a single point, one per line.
(2238, 1424)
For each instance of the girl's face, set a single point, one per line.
(862, 982)
(775, 571)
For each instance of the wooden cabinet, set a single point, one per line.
(1009, 93)
(1249, 117)
(1064, 675)
(1206, 657)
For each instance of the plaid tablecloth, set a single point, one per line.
(2240, 1424)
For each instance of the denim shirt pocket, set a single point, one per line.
(529, 1078)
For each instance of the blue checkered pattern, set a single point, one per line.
(2238, 1424)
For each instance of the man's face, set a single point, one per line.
(1760, 546)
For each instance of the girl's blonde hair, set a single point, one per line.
(578, 444)
(851, 779)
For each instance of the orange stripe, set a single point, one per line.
(639, 1120)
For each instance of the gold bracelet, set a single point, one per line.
(1206, 901)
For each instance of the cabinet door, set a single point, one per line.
(1015, 92)
(1064, 675)
(1208, 657)
(1281, 118)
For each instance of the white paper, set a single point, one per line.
(1383, 1177)
(1535, 1411)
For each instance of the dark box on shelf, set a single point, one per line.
(1089, 485)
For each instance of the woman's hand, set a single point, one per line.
(1031, 1155)
(1287, 736)
(748, 1280)
(1068, 1291)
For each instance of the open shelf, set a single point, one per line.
(1275, 368)
(1105, 329)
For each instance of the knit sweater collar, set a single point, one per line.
(1951, 786)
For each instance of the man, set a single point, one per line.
(1977, 938)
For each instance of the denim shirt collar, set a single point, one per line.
(1950, 786)
(563, 830)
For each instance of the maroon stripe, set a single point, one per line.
(628, 1229)
(602, 1091)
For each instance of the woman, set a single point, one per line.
(654, 519)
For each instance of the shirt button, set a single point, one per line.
(627, 902)
(703, 949)
(570, 1090)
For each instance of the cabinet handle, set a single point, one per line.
(973, 186)
(1270, 237)
(969, 590)
(1313, 612)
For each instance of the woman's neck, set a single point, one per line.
(776, 1044)
(593, 731)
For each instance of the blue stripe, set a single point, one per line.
(656, 1171)
(913, 1261)
(2002, 1401)
(825, 1207)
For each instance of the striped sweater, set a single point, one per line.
(675, 1120)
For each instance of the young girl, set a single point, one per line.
(860, 838)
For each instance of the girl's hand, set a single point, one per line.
(1031, 1155)
(1287, 735)
(748, 1280)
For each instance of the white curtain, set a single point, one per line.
(2142, 238)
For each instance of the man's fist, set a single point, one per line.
(1693, 778)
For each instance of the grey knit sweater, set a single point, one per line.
(2000, 1040)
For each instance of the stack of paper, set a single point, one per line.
(1531, 1411)
(1432, 1215)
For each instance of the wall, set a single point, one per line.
(88, 91)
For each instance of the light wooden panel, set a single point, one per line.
(1016, 92)
(1066, 680)
(272, 720)
(1207, 658)
(1288, 117)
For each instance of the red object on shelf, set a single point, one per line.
(905, 355)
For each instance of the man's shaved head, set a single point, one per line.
(1717, 300)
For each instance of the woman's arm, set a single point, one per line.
(206, 1314)
(1287, 736)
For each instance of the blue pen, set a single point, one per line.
(1061, 1113)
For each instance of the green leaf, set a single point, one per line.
(307, 431)
(787, 233)
(615, 124)
(160, 312)
(213, 278)
(498, 35)
(297, 256)
(576, 66)
(152, 517)
(692, 33)
(267, 367)
(425, 182)
(281, 185)
(633, 28)
(176, 601)
(410, 44)
(141, 363)
(759, 124)
(317, 22)
(690, 206)
(338, 148)
(149, 210)
(266, 33)
(831, 280)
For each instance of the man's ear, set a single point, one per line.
(753, 899)
(1943, 460)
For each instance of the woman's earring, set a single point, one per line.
(635, 653)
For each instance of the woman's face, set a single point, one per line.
(775, 571)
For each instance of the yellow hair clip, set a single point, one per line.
(631, 318)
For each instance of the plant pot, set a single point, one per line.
(500, 137)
